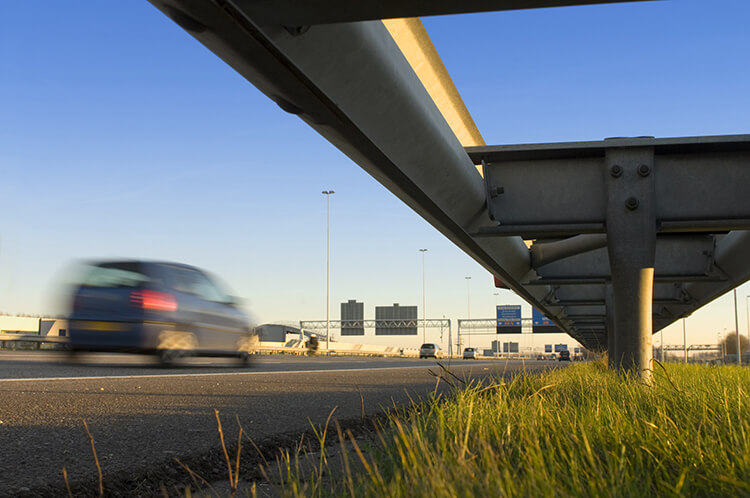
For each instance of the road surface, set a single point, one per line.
(142, 416)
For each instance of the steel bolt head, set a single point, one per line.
(631, 203)
(616, 171)
(644, 170)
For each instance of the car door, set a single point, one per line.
(206, 311)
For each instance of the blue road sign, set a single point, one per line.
(540, 324)
(509, 319)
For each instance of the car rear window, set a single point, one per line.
(113, 275)
(428, 346)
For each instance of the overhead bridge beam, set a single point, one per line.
(352, 84)
(558, 173)
(663, 208)
(315, 12)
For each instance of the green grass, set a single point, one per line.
(579, 431)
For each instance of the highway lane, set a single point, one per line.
(48, 364)
(142, 417)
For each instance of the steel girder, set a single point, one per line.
(315, 12)
(350, 82)
(566, 195)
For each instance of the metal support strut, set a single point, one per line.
(631, 236)
(610, 325)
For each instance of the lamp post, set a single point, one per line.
(424, 302)
(661, 345)
(497, 345)
(684, 340)
(328, 193)
(737, 329)
(468, 306)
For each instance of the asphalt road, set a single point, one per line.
(143, 416)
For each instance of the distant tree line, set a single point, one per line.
(729, 343)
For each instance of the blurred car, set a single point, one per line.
(430, 350)
(470, 354)
(564, 356)
(169, 310)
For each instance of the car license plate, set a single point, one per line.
(101, 326)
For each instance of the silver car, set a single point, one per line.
(430, 350)
(470, 354)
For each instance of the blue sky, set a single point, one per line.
(121, 136)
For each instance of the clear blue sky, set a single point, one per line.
(121, 136)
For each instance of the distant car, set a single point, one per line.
(430, 350)
(470, 354)
(564, 356)
(169, 310)
(540, 357)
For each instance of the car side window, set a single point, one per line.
(112, 275)
(197, 284)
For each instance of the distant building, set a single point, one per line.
(396, 320)
(53, 327)
(33, 325)
(510, 347)
(274, 332)
(352, 318)
(19, 325)
(497, 346)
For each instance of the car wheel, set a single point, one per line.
(246, 359)
(175, 345)
(73, 355)
(168, 357)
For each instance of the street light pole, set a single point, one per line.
(468, 306)
(497, 344)
(737, 329)
(424, 302)
(661, 345)
(684, 340)
(328, 193)
(721, 348)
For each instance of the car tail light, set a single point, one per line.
(153, 300)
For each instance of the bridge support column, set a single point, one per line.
(631, 236)
(609, 324)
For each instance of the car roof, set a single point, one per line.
(140, 262)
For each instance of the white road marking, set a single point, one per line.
(212, 374)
